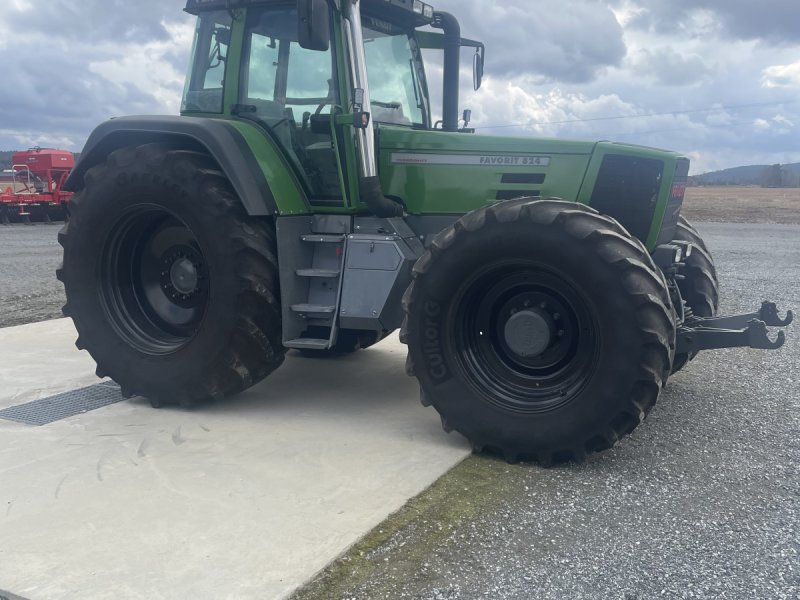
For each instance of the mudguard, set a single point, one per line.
(217, 137)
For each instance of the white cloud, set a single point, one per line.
(669, 67)
(761, 125)
(22, 5)
(769, 21)
(722, 118)
(778, 124)
(718, 83)
(145, 66)
(626, 12)
(782, 76)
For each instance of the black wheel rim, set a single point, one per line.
(512, 372)
(154, 280)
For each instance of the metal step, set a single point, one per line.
(323, 238)
(314, 309)
(322, 273)
(307, 344)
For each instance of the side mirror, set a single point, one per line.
(477, 69)
(222, 35)
(313, 24)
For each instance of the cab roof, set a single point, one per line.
(406, 13)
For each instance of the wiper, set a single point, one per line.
(416, 84)
(393, 105)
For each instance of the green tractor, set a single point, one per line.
(305, 200)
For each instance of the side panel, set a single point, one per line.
(376, 274)
(438, 172)
(252, 164)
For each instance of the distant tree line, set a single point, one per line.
(772, 176)
(777, 176)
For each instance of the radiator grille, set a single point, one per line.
(670, 223)
(627, 189)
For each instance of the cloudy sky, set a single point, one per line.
(716, 79)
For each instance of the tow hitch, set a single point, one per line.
(749, 331)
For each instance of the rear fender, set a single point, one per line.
(223, 140)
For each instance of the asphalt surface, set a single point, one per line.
(702, 501)
(29, 290)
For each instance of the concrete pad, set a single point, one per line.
(243, 499)
(40, 360)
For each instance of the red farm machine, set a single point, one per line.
(32, 189)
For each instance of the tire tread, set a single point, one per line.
(646, 288)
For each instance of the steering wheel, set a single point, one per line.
(321, 106)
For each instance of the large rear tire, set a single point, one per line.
(172, 287)
(538, 329)
(700, 286)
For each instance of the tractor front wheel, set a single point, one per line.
(172, 287)
(539, 329)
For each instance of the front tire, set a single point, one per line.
(172, 287)
(538, 329)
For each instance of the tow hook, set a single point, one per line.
(737, 331)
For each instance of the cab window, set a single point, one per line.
(204, 85)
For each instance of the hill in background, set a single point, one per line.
(760, 175)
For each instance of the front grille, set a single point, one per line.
(670, 223)
(531, 178)
(627, 189)
(521, 180)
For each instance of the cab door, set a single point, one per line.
(292, 92)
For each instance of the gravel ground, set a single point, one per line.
(29, 290)
(702, 501)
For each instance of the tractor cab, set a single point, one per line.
(314, 75)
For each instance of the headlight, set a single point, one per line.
(426, 10)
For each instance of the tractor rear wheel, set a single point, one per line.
(172, 287)
(700, 287)
(538, 329)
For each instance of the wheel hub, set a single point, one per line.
(525, 335)
(529, 332)
(183, 275)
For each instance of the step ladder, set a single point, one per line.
(320, 285)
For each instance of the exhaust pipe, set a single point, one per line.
(371, 193)
(452, 59)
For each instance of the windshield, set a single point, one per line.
(394, 76)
